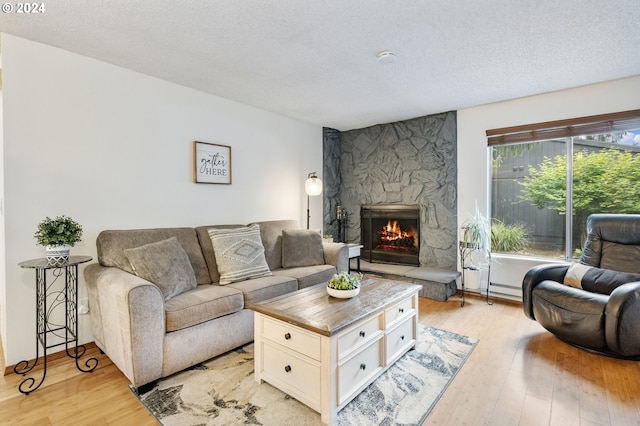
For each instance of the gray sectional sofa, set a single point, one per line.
(164, 299)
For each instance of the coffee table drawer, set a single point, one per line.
(293, 373)
(358, 370)
(401, 309)
(359, 336)
(292, 337)
(400, 338)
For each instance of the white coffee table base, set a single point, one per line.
(326, 372)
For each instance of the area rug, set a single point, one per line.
(222, 390)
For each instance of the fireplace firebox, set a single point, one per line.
(390, 233)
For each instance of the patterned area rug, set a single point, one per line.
(222, 391)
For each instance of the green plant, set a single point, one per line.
(59, 231)
(475, 251)
(508, 238)
(476, 232)
(345, 281)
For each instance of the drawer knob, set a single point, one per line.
(287, 336)
(362, 334)
(401, 310)
(401, 337)
(287, 368)
(363, 366)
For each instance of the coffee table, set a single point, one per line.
(324, 351)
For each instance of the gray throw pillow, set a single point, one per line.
(239, 253)
(164, 263)
(301, 247)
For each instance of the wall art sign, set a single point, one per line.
(212, 163)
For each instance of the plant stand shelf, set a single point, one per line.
(56, 317)
(465, 251)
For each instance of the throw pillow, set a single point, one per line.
(597, 280)
(301, 247)
(164, 263)
(239, 253)
(573, 277)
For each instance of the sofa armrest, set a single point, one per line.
(336, 254)
(535, 275)
(622, 320)
(131, 321)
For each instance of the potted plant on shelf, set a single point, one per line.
(344, 285)
(475, 252)
(58, 236)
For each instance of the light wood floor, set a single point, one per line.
(519, 374)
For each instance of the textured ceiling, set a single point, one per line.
(316, 60)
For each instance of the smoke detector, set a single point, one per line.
(386, 57)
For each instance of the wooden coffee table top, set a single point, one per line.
(313, 309)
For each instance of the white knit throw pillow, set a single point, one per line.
(239, 253)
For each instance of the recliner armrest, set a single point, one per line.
(622, 319)
(535, 275)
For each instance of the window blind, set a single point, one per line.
(604, 123)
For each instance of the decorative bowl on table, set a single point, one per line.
(344, 285)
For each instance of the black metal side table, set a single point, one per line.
(56, 317)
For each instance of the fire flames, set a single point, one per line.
(392, 236)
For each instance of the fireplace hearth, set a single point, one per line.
(390, 233)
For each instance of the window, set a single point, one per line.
(540, 172)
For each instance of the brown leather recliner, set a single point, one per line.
(594, 305)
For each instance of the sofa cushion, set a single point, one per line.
(204, 303)
(301, 247)
(597, 280)
(164, 263)
(112, 243)
(259, 289)
(271, 234)
(308, 275)
(239, 253)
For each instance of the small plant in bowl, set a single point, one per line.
(344, 285)
(58, 235)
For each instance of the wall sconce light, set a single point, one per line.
(312, 186)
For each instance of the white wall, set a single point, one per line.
(3, 284)
(473, 161)
(114, 149)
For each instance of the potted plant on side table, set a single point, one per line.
(58, 236)
(475, 251)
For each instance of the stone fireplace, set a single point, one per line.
(411, 163)
(390, 233)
